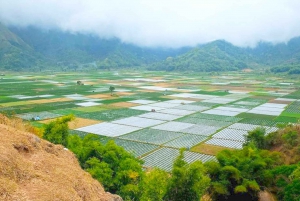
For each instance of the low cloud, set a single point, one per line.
(164, 23)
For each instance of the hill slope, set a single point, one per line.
(214, 56)
(34, 169)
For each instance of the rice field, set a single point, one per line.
(153, 118)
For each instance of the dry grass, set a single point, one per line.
(34, 169)
(17, 103)
(123, 104)
(76, 123)
(53, 100)
(20, 125)
(209, 149)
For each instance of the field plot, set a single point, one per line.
(215, 117)
(178, 112)
(152, 136)
(164, 157)
(159, 116)
(225, 143)
(202, 130)
(231, 134)
(273, 109)
(38, 115)
(192, 107)
(143, 102)
(88, 104)
(173, 126)
(138, 122)
(206, 122)
(186, 141)
(146, 108)
(136, 148)
(108, 129)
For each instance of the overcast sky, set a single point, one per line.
(166, 23)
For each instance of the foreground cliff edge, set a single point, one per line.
(34, 169)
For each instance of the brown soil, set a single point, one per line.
(102, 96)
(266, 196)
(279, 102)
(124, 93)
(34, 169)
(76, 123)
(54, 100)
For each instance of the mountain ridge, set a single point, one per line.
(32, 48)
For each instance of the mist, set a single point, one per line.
(165, 23)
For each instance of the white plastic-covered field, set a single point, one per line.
(152, 136)
(155, 88)
(76, 97)
(225, 143)
(192, 107)
(163, 158)
(164, 105)
(286, 99)
(21, 97)
(234, 109)
(186, 141)
(273, 109)
(136, 148)
(142, 101)
(196, 96)
(87, 104)
(201, 130)
(207, 122)
(178, 112)
(246, 127)
(160, 116)
(108, 129)
(215, 117)
(179, 101)
(219, 100)
(173, 126)
(231, 134)
(138, 122)
(226, 111)
(146, 108)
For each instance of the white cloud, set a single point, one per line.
(168, 23)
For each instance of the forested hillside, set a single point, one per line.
(32, 48)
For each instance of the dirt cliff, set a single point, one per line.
(37, 170)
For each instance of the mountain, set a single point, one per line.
(32, 48)
(72, 50)
(214, 56)
(14, 52)
(35, 169)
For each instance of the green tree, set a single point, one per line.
(154, 185)
(57, 131)
(239, 174)
(119, 171)
(188, 181)
(111, 89)
(256, 137)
